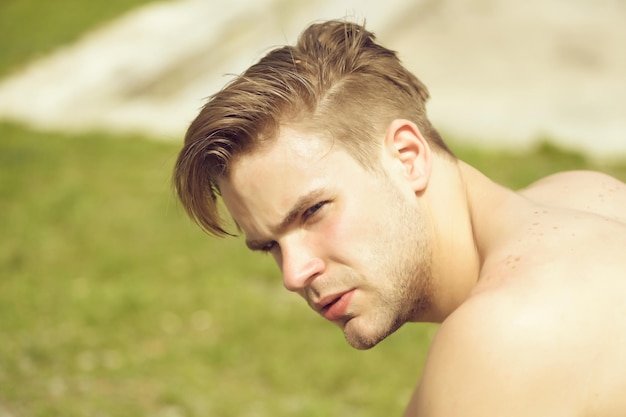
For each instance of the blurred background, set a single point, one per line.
(113, 304)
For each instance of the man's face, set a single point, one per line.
(350, 241)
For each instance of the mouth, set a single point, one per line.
(333, 307)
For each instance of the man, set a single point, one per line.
(324, 157)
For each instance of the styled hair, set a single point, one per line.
(336, 81)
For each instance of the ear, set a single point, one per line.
(406, 145)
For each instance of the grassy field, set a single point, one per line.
(113, 304)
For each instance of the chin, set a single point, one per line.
(361, 343)
(366, 337)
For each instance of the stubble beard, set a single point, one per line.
(406, 268)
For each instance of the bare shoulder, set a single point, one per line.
(587, 180)
(544, 335)
(590, 191)
(499, 356)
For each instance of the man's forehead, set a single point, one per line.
(292, 146)
(266, 188)
(263, 182)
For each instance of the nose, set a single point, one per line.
(299, 266)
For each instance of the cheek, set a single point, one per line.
(331, 236)
(350, 233)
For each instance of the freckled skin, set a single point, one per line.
(542, 331)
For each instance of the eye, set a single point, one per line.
(268, 247)
(311, 211)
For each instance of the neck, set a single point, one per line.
(467, 211)
(493, 209)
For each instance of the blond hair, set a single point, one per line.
(336, 80)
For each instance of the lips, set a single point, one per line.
(334, 307)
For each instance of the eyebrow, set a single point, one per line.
(301, 204)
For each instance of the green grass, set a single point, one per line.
(112, 303)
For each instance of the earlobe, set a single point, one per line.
(407, 145)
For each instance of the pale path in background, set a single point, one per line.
(500, 71)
